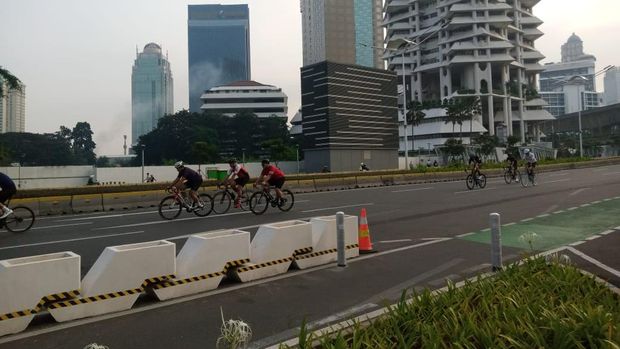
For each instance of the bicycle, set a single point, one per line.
(260, 200)
(20, 221)
(472, 182)
(223, 199)
(511, 175)
(528, 178)
(171, 206)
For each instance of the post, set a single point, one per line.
(405, 114)
(580, 131)
(298, 168)
(19, 175)
(142, 164)
(342, 260)
(496, 241)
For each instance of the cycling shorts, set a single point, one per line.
(532, 164)
(194, 185)
(242, 180)
(277, 182)
(7, 194)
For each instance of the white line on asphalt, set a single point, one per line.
(544, 215)
(337, 207)
(578, 191)
(408, 190)
(431, 239)
(71, 240)
(61, 225)
(464, 235)
(593, 237)
(576, 243)
(474, 191)
(617, 197)
(300, 201)
(611, 173)
(558, 212)
(572, 208)
(557, 181)
(617, 228)
(108, 216)
(607, 232)
(486, 229)
(608, 199)
(527, 219)
(595, 262)
(175, 220)
(596, 202)
(585, 205)
(558, 174)
(509, 224)
(394, 241)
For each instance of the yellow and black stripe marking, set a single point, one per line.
(236, 263)
(322, 253)
(188, 280)
(266, 264)
(156, 280)
(16, 314)
(93, 299)
(302, 251)
(63, 296)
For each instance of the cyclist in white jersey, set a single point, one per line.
(531, 161)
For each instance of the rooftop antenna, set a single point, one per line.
(125, 145)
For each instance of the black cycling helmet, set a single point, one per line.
(265, 162)
(232, 160)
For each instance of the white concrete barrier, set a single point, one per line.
(204, 261)
(324, 241)
(26, 284)
(273, 248)
(117, 278)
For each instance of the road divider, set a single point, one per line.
(323, 231)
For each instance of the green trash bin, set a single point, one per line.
(222, 174)
(212, 173)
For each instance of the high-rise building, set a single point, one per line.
(12, 109)
(612, 86)
(484, 49)
(560, 90)
(343, 31)
(151, 90)
(246, 96)
(218, 47)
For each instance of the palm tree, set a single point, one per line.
(415, 115)
(11, 80)
(462, 109)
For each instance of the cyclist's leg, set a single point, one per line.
(5, 196)
(193, 192)
(278, 186)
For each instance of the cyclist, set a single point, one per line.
(476, 162)
(512, 166)
(191, 179)
(237, 178)
(272, 176)
(531, 161)
(7, 190)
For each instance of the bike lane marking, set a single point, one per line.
(174, 220)
(409, 190)
(594, 261)
(60, 226)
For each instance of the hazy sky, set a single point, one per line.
(75, 56)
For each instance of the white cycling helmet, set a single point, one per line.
(179, 165)
(526, 151)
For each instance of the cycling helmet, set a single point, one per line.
(232, 160)
(265, 162)
(526, 151)
(179, 165)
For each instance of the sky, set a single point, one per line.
(75, 56)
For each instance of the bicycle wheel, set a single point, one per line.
(525, 179)
(169, 208)
(470, 182)
(221, 202)
(289, 201)
(207, 201)
(507, 177)
(482, 181)
(20, 220)
(259, 203)
(533, 179)
(245, 200)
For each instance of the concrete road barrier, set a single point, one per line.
(117, 278)
(27, 284)
(31, 203)
(324, 241)
(273, 248)
(87, 203)
(55, 205)
(369, 181)
(203, 262)
(132, 200)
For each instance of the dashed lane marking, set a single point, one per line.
(410, 190)
(61, 226)
(72, 240)
(594, 261)
(473, 191)
(464, 235)
(527, 220)
(576, 243)
(543, 215)
(558, 212)
(593, 237)
(585, 205)
(572, 208)
(607, 232)
(393, 241)
(509, 224)
(337, 207)
(596, 202)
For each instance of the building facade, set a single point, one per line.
(246, 96)
(612, 86)
(350, 115)
(218, 48)
(12, 109)
(343, 31)
(563, 97)
(151, 90)
(484, 49)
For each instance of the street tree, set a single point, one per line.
(415, 115)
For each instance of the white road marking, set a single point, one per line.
(464, 235)
(595, 262)
(557, 181)
(607, 232)
(572, 208)
(486, 229)
(174, 220)
(108, 216)
(61, 226)
(578, 191)
(611, 174)
(576, 243)
(593, 237)
(71, 240)
(409, 190)
(300, 201)
(394, 241)
(527, 220)
(558, 174)
(544, 215)
(558, 212)
(509, 224)
(474, 191)
(337, 207)
(585, 205)
(596, 202)
(608, 199)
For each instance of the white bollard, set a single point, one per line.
(496, 241)
(342, 260)
(324, 241)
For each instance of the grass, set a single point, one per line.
(533, 305)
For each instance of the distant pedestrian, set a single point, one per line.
(435, 163)
(151, 178)
(428, 163)
(364, 167)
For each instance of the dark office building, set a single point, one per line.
(349, 116)
(219, 47)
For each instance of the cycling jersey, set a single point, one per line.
(512, 161)
(474, 159)
(273, 172)
(194, 179)
(239, 171)
(6, 183)
(530, 158)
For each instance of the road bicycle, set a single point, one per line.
(19, 221)
(511, 175)
(476, 181)
(224, 198)
(260, 201)
(528, 177)
(171, 206)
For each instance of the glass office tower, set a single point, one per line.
(219, 47)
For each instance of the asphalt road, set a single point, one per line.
(417, 228)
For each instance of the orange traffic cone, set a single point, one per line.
(365, 244)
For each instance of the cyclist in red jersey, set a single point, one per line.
(237, 178)
(271, 176)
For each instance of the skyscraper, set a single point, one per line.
(343, 31)
(219, 48)
(151, 90)
(612, 86)
(12, 109)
